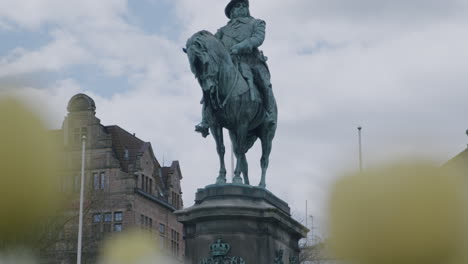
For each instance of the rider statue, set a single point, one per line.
(242, 36)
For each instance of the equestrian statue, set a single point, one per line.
(237, 92)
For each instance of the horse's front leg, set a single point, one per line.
(217, 132)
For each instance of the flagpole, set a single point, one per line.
(80, 224)
(360, 148)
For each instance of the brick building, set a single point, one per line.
(126, 187)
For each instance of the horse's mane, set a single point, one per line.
(209, 43)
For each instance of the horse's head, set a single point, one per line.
(203, 51)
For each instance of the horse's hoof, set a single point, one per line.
(237, 180)
(262, 185)
(220, 180)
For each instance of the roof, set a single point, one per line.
(123, 141)
(81, 102)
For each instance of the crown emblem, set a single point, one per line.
(219, 249)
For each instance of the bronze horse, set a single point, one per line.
(230, 104)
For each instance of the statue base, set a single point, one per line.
(236, 223)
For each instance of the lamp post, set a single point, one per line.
(80, 223)
(360, 148)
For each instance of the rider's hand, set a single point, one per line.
(235, 50)
(239, 48)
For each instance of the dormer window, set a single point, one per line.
(126, 153)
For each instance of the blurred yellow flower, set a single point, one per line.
(29, 191)
(403, 213)
(131, 247)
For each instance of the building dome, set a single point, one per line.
(81, 102)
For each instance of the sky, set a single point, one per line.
(397, 68)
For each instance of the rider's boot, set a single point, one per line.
(203, 126)
(268, 106)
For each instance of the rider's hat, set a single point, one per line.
(231, 4)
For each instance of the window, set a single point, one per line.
(146, 222)
(107, 222)
(78, 134)
(174, 242)
(96, 181)
(150, 186)
(126, 155)
(177, 243)
(99, 180)
(97, 218)
(103, 180)
(104, 223)
(162, 229)
(96, 227)
(118, 216)
(118, 227)
(146, 184)
(108, 217)
(175, 200)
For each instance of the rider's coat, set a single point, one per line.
(249, 32)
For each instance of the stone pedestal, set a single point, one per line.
(233, 223)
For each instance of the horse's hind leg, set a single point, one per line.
(238, 144)
(235, 148)
(217, 132)
(245, 168)
(266, 139)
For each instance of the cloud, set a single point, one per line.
(49, 102)
(397, 68)
(33, 14)
(365, 11)
(64, 51)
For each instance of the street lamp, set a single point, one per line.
(80, 223)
